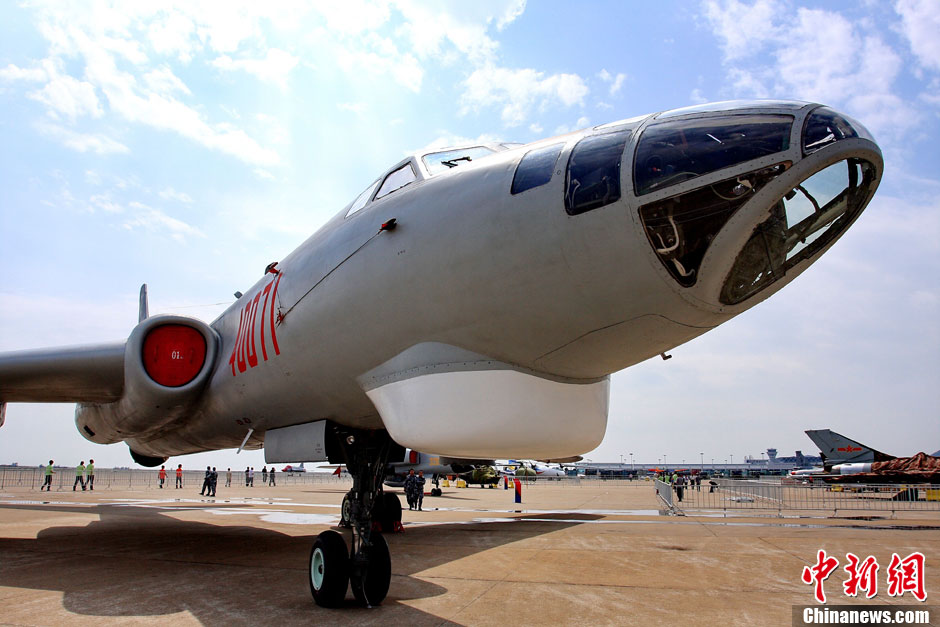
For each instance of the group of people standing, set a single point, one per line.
(681, 482)
(85, 477)
(414, 489)
(267, 476)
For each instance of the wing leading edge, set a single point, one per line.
(83, 374)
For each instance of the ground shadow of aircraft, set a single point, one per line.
(138, 561)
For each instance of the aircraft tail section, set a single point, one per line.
(835, 449)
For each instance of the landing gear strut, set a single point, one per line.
(368, 566)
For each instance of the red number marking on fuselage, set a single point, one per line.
(245, 353)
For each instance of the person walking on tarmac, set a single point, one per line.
(162, 476)
(264, 474)
(271, 477)
(228, 478)
(205, 481)
(410, 482)
(213, 481)
(90, 474)
(79, 476)
(179, 476)
(47, 482)
(419, 492)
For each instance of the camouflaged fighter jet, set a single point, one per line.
(475, 301)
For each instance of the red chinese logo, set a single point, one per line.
(903, 575)
(907, 575)
(819, 573)
(864, 576)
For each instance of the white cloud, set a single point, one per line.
(164, 81)
(616, 82)
(14, 73)
(429, 26)
(696, 96)
(379, 57)
(104, 202)
(744, 28)
(69, 97)
(171, 194)
(920, 24)
(274, 67)
(108, 45)
(518, 92)
(82, 142)
(151, 219)
(814, 54)
(353, 107)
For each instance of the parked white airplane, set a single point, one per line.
(480, 290)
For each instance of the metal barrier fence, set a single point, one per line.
(129, 479)
(724, 494)
(664, 492)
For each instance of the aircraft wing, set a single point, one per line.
(84, 374)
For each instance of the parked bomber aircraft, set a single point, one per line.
(488, 289)
(845, 460)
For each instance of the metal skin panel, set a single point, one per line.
(564, 300)
(305, 442)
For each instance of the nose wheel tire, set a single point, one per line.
(329, 569)
(345, 516)
(370, 584)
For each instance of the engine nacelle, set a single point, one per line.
(167, 362)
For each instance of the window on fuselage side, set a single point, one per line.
(536, 168)
(594, 172)
(397, 179)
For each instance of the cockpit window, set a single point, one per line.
(396, 180)
(678, 150)
(437, 162)
(362, 199)
(594, 172)
(536, 168)
(824, 126)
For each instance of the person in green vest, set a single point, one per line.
(79, 476)
(90, 474)
(47, 484)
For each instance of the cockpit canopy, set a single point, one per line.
(422, 166)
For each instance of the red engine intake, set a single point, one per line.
(173, 354)
(168, 360)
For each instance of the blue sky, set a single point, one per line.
(187, 145)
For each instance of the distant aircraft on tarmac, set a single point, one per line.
(530, 468)
(474, 302)
(845, 459)
(435, 467)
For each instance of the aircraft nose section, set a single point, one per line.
(735, 239)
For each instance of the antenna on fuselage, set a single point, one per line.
(144, 309)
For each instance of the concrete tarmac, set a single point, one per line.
(594, 554)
